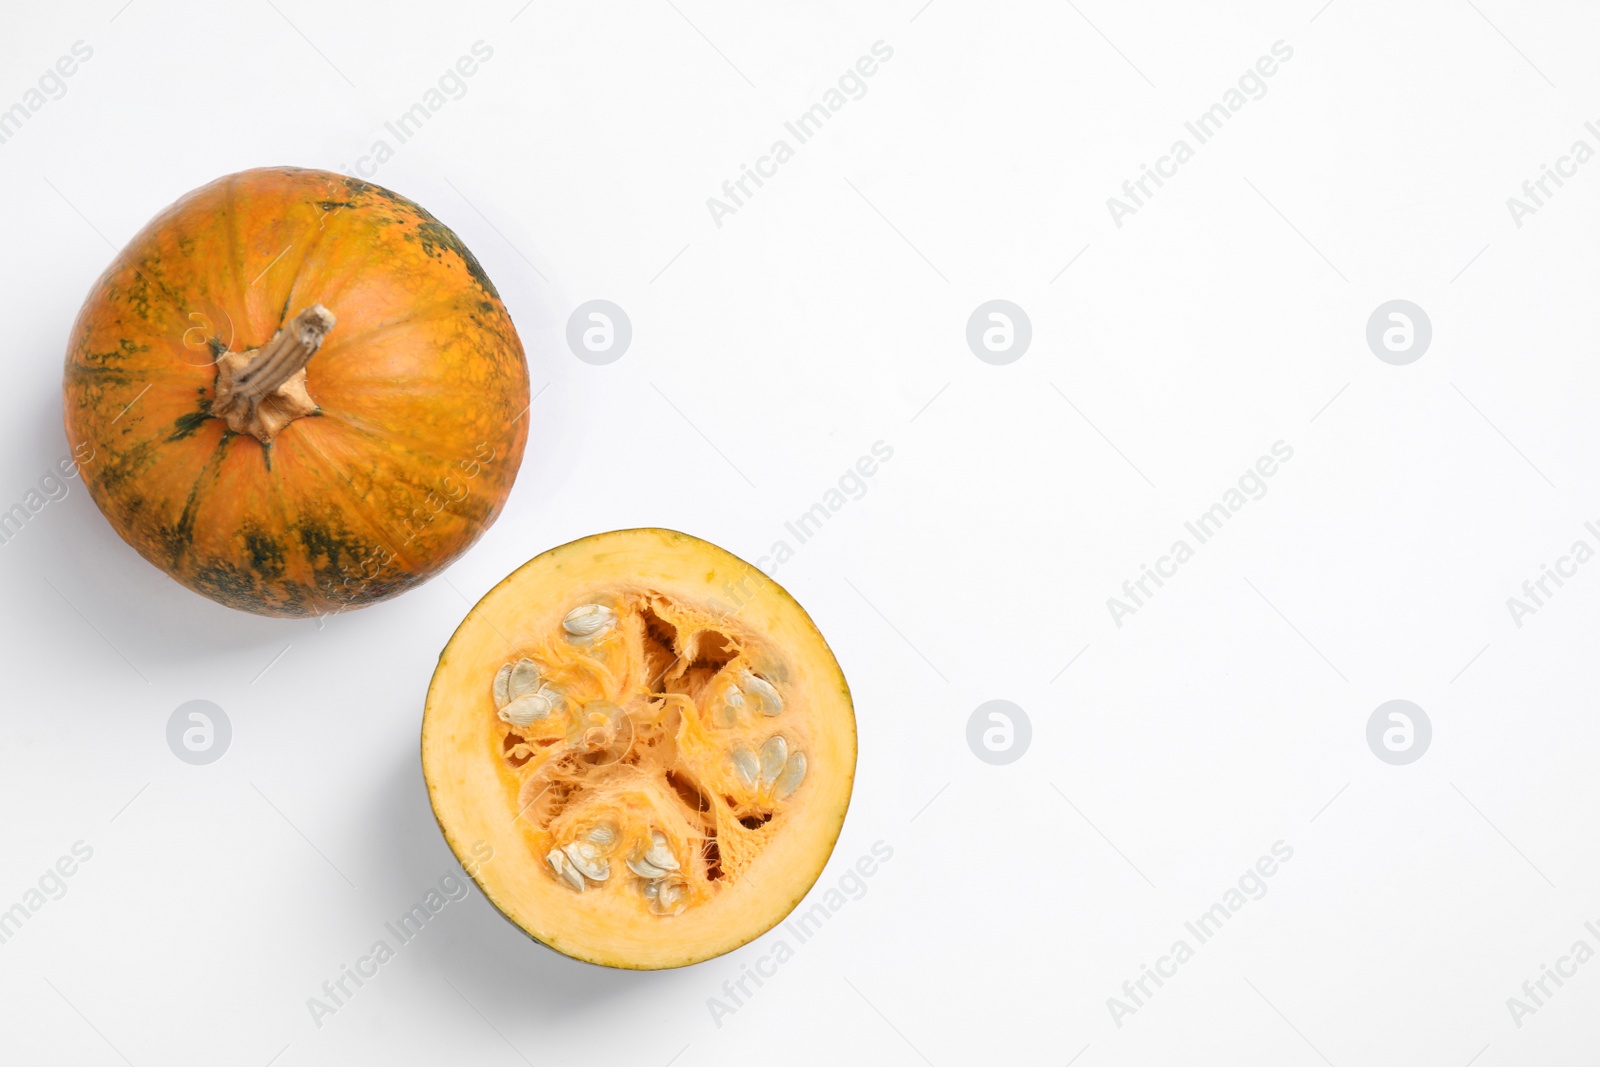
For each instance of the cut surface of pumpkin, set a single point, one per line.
(653, 741)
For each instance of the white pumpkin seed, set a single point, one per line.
(794, 772)
(773, 752)
(745, 765)
(502, 687)
(558, 860)
(523, 679)
(660, 855)
(602, 834)
(666, 895)
(589, 621)
(646, 870)
(732, 703)
(529, 709)
(762, 694)
(587, 859)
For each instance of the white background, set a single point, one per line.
(768, 355)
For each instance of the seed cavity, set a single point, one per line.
(589, 622)
(632, 725)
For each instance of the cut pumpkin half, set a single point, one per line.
(651, 742)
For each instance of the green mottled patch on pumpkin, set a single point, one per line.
(436, 235)
(180, 538)
(267, 555)
(126, 349)
(340, 559)
(128, 465)
(186, 424)
(232, 585)
(100, 376)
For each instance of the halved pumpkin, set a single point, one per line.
(651, 743)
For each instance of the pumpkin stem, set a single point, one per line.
(261, 391)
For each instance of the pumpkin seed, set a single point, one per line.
(523, 678)
(732, 703)
(558, 860)
(746, 767)
(762, 694)
(602, 834)
(646, 870)
(773, 753)
(660, 855)
(666, 894)
(502, 687)
(657, 861)
(589, 621)
(587, 859)
(794, 772)
(526, 710)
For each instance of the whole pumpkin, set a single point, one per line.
(299, 393)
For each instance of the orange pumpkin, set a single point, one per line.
(300, 391)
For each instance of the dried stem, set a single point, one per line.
(261, 391)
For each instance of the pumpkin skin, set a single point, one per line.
(420, 392)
